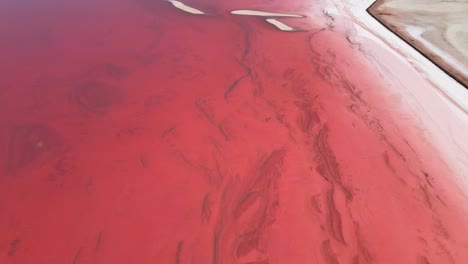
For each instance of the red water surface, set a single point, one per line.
(132, 132)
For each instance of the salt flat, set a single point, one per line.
(438, 29)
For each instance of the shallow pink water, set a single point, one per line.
(132, 132)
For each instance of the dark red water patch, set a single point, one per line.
(27, 144)
(132, 132)
(96, 97)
